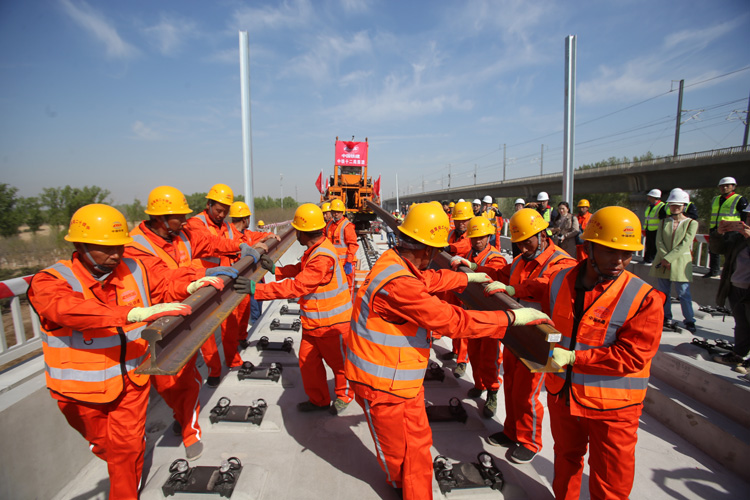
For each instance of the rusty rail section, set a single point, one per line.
(173, 340)
(531, 344)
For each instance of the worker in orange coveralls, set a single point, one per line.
(389, 345)
(341, 233)
(211, 221)
(458, 244)
(584, 214)
(485, 355)
(611, 325)
(525, 280)
(240, 213)
(325, 309)
(92, 309)
(161, 242)
(326, 208)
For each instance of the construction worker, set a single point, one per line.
(610, 322)
(446, 207)
(459, 244)
(326, 208)
(388, 349)
(651, 224)
(490, 213)
(92, 309)
(476, 206)
(344, 238)
(249, 309)
(485, 355)
(517, 205)
(325, 309)
(584, 214)
(261, 226)
(451, 205)
(211, 221)
(525, 280)
(499, 223)
(161, 243)
(728, 206)
(543, 207)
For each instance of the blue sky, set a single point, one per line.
(130, 95)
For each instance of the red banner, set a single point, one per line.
(319, 182)
(351, 153)
(376, 187)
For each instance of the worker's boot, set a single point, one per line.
(490, 406)
(459, 370)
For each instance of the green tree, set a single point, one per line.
(196, 202)
(61, 203)
(31, 209)
(134, 212)
(10, 216)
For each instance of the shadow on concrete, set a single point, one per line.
(98, 492)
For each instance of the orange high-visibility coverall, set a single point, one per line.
(523, 410)
(84, 324)
(597, 402)
(583, 221)
(457, 245)
(323, 334)
(485, 354)
(203, 223)
(240, 317)
(387, 354)
(181, 392)
(344, 239)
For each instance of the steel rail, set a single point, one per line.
(531, 344)
(173, 340)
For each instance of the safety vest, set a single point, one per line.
(547, 215)
(331, 303)
(90, 365)
(490, 215)
(724, 211)
(337, 238)
(208, 262)
(598, 327)
(583, 220)
(668, 212)
(452, 238)
(518, 266)
(652, 216)
(182, 245)
(486, 255)
(386, 356)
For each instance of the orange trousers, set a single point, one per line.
(461, 350)
(485, 357)
(313, 350)
(402, 437)
(523, 410)
(230, 337)
(181, 392)
(116, 432)
(611, 457)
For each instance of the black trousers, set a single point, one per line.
(650, 251)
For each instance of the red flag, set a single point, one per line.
(376, 187)
(327, 186)
(319, 183)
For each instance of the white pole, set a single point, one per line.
(398, 204)
(569, 125)
(247, 136)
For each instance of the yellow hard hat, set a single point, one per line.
(463, 211)
(494, 205)
(526, 223)
(239, 209)
(165, 200)
(98, 224)
(614, 227)
(437, 203)
(326, 207)
(479, 226)
(261, 223)
(221, 193)
(308, 217)
(427, 224)
(584, 203)
(451, 204)
(337, 206)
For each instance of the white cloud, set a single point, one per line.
(326, 55)
(287, 15)
(95, 24)
(354, 77)
(692, 39)
(144, 132)
(355, 5)
(170, 34)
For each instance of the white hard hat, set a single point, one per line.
(461, 200)
(542, 196)
(476, 202)
(677, 195)
(654, 193)
(727, 180)
(520, 200)
(487, 199)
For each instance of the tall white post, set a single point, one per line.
(398, 204)
(570, 121)
(247, 136)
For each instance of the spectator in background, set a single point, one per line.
(726, 207)
(651, 224)
(476, 205)
(690, 210)
(674, 258)
(565, 229)
(735, 286)
(584, 214)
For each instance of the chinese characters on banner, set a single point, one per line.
(351, 153)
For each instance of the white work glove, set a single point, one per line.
(478, 278)
(460, 261)
(563, 356)
(497, 287)
(215, 282)
(529, 316)
(149, 314)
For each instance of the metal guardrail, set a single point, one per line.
(13, 289)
